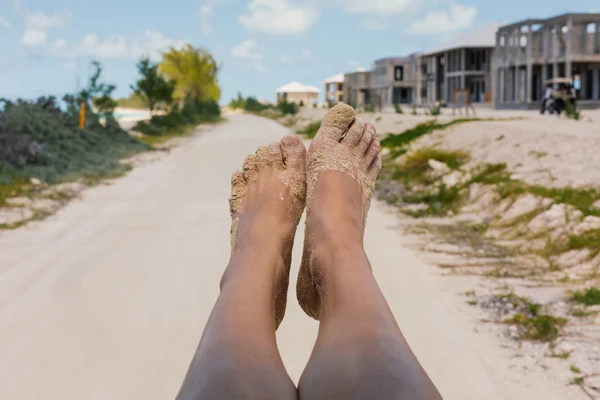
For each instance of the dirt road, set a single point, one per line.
(108, 298)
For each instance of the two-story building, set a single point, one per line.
(334, 89)
(357, 87)
(530, 53)
(465, 63)
(394, 81)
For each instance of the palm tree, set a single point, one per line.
(195, 72)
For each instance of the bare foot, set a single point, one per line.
(343, 164)
(267, 201)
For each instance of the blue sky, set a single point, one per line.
(261, 44)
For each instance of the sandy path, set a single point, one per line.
(108, 298)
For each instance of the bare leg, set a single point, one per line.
(238, 357)
(360, 351)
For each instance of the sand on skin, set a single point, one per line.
(108, 298)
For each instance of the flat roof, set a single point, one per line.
(339, 78)
(409, 57)
(541, 21)
(297, 87)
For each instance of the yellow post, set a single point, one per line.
(82, 116)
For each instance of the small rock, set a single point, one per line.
(19, 202)
(440, 167)
(45, 205)
(589, 224)
(573, 258)
(385, 151)
(596, 204)
(559, 219)
(524, 205)
(11, 216)
(35, 181)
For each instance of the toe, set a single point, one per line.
(367, 137)
(354, 133)
(372, 151)
(250, 168)
(338, 119)
(275, 157)
(294, 152)
(375, 168)
(262, 157)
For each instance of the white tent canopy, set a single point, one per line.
(297, 87)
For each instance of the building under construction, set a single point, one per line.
(530, 53)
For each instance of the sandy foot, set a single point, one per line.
(266, 203)
(346, 145)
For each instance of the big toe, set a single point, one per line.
(294, 152)
(337, 121)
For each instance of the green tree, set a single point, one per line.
(98, 92)
(194, 71)
(152, 87)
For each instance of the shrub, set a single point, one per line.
(301, 103)
(435, 110)
(369, 108)
(38, 139)
(414, 110)
(589, 297)
(310, 131)
(253, 105)
(177, 121)
(287, 108)
(398, 108)
(571, 111)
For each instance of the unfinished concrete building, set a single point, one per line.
(465, 63)
(394, 81)
(334, 89)
(357, 88)
(531, 52)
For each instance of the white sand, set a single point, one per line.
(108, 298)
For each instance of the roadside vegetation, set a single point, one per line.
(252, 105)
(42, 142)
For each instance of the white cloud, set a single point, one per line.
(279, 17)
(41, 21)
(304, 55)
(246, 50)
(5, 24)
(376, 7)
(447, 21)
(152, 44)
(205, 16)
(34, 38)
(148, 44)
(114, 46)
(375, 24)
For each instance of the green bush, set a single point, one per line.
(369, 108)
(287, 108)
(38, 139)
(398, 108)
(310, 131)
(192, 113)
(253, 105)
(589, 297)
(435, 110)
(571, 111)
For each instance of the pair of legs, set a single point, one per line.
(360, 352)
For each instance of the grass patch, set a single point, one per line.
(581, 312)
(532, 323)
(310, 131)
(588, 297)
(564, 355)
(574, 369)
(538, 154)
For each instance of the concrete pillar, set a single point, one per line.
(544, 77)
(529, 78)
(569, 49)
(446, 80)
(596, 84)
(597, 39)
(555, 53)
